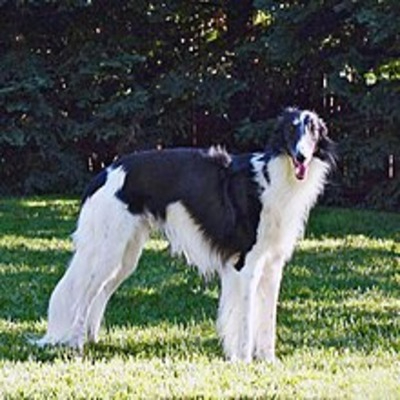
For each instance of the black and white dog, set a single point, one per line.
(237, 216)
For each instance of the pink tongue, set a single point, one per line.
(300, 171)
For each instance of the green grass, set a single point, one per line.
(338, 328)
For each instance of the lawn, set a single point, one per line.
(338, 323)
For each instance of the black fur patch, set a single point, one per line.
(218, 190)
(326, 151)
(223, 199)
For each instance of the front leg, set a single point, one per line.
(230, 311)
(236, 310)
(266, 310)
(249, 280)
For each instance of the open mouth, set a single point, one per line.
(300, 169)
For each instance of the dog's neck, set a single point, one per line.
(286, 202)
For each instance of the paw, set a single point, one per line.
(44, 341)
(76, 342)
(243, 354)
(267, 355)
(235, 358)
(93, 334)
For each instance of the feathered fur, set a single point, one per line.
(238, 216)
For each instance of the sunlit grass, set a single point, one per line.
(338, 322)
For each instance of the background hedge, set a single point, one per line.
(82, 82)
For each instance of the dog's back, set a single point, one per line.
(238, 216)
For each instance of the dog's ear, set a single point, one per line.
(326, 148)
(277, 139)
(285, 119)
(322, 128)
(288, 114)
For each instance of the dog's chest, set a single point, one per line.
(285, 206)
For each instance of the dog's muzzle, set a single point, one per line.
(300, 166)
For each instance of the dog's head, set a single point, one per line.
(303, 135)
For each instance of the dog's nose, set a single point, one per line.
(300, 158)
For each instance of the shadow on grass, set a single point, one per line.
(324, 274)
(339, 223)
(340, 301)
(38, 218)
(175, 347)
(321, 303)
(321, 306)
(163, 290)
(24, 287)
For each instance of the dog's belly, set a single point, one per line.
(186, 237)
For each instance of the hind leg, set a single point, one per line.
(61, 311)
(105, 227)
(107, 266)
(131, 257)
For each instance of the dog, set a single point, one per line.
(237, 216)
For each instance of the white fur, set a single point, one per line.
(109, 241)
(248, 303)
(307, 142)
(185, 237)
(105, 237)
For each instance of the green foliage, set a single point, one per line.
(338, 325)
(84, 81)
